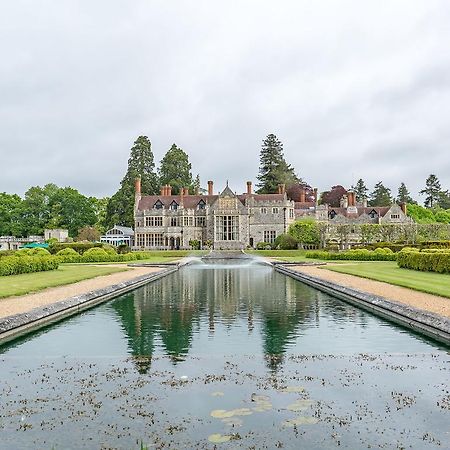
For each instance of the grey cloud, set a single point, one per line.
(353, 89)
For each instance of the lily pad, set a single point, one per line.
(300, 420)
(300, 405)
(223, 413)
(219, 438)
(292, 389)
(217, 394)
(233, 421)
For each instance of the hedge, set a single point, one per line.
(79, 247)
(13, 265)
(426, 260)
(380, 254)
(396, 247)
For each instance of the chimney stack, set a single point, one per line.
(249, 188)
(403, 206)
(137, 186)
(163, 190)
(364, 202)
(169, 190)
(210, 187)
(281, 188)
(316, 197)
(302, 195)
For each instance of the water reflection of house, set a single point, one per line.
(168, 311)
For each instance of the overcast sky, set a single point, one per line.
(352, 88)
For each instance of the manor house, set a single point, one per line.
(224, 220)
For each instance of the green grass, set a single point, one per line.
(65, 274)
(389, 272)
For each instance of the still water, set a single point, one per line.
(224, 352)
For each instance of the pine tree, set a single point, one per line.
(403, 195)
(274, 169)
(380, 196)
(120, 209)
(175, 170)
(360, 190)
(432, 191)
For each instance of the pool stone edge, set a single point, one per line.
(12, 327)
(432, 325)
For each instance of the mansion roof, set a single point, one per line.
(147, 202)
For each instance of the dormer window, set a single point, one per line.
(332, 214)
(158, 205)
(373, 214)
(173, 206)
(201, 204)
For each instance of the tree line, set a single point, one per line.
(51, 206)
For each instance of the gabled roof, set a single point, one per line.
(125, 230)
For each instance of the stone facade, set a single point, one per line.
(57, 233)
(227, 221)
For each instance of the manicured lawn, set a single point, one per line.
(65, 274)
(389, 272)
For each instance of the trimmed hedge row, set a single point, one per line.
(79, 247)
(13, 265)
(425, 261)
(395, 247)
(96, 254)
(380, 254)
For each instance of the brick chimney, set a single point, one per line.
(210, 187)
(137, 186)
(403, 206)
(249, 188)
(281, 188)
(316, 197)
(137, 192)
(162, 191)
(302, 195)
(169, 190)
(351, 198)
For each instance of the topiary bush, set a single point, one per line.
(13, 265)
(68, 255)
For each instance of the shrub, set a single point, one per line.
(39, 251)
(426, 261)
(95, 255)
(263, 246)
(194, 244)
(123, 248)
(13, 265)
(285, 242)
(355, 255)
(79, 247)
(68, 255)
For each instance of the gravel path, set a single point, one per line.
(420, 300)
(25, 303)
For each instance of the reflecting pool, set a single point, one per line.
(233, 355)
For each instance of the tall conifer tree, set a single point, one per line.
(403, 195)
(432, 191)
(175, 170)
(120, 209)
(274, 169)
(380, 196)
(361, 190)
